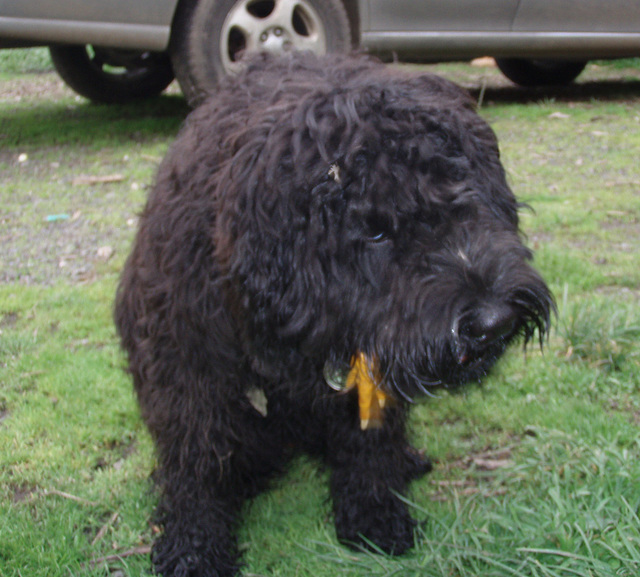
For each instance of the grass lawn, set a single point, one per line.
(537, 471)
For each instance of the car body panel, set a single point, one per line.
(578, 16)
(155, 12)
(117, 23)
(461, 15)
(20, 32)
(433, 46)
(411, 29)
(578, 29)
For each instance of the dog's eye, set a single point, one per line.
(379, 237)
(378, 229)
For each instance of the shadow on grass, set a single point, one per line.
(69, 122)
(601, 90)
(55, 123)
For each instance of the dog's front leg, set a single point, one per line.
(214, 453)
(197, 538)
(198, 505)
(370, 469)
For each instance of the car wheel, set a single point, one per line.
(540, 72)
(109, 75)
(210, 37)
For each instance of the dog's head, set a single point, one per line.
(371, 213)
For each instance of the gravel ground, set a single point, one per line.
(84, 232)
(69, 208)
(99, 222)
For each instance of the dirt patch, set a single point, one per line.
(23, 492)
(45, 86)
(486, 463)
(624, 293)
(9, 320)
(42, 86)
(43, 253)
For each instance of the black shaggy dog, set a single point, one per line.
(319, 224)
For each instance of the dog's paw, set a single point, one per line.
(187, 554)
(418, 463)
(376, 523)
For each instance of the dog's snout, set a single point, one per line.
(485, 325)
(491, 323)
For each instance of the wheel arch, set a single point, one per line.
(184, 7)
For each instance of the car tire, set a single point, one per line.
(110, 76)
(531, 73)
(210, 37)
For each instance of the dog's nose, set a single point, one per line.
(487, 324)
(491, 323)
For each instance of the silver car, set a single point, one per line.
(116, 50)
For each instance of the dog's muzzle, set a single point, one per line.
(482, 329)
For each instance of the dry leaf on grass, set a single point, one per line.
(106, 179)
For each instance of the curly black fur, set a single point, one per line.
(311, 209)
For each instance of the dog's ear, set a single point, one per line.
(480, 145)
(268, 240)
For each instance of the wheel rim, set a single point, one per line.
(270, 26)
